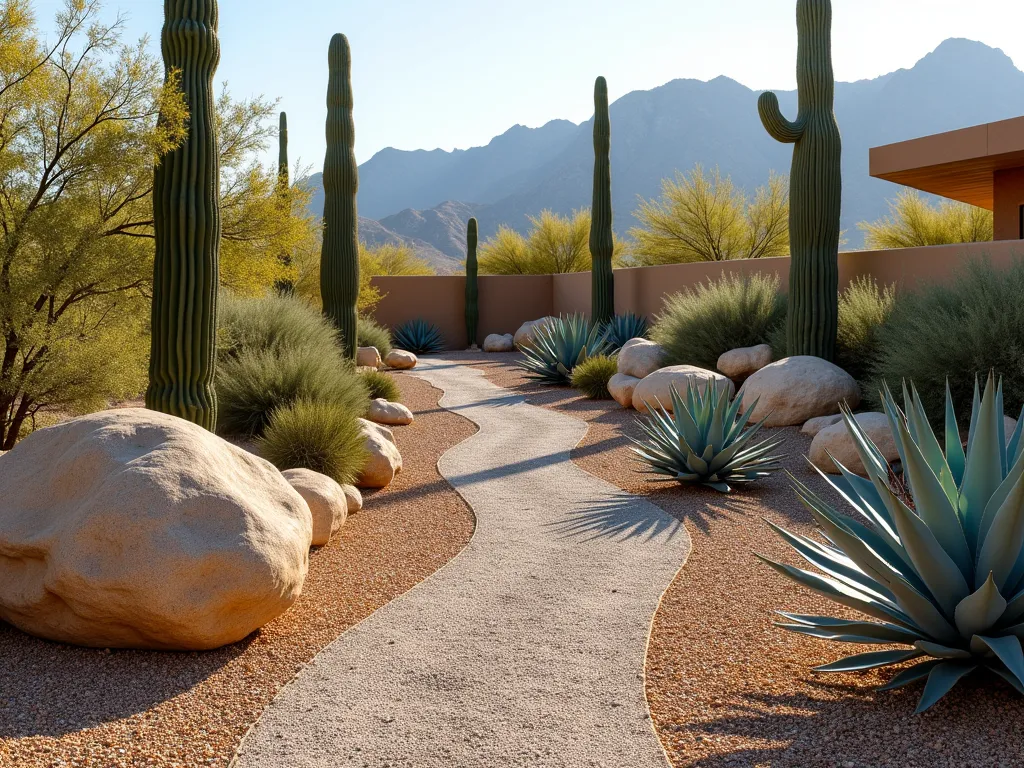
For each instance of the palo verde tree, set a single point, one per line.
(339, 262)
(602, 239)
(815, 186)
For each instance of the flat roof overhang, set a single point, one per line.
(959, 165)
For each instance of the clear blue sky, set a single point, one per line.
(454, 73)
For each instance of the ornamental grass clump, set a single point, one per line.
(419, 337)
(381, 385)
(372, 334)
(704, 439)
(622, 328)
(591, 377)
(936, 559)
(558, 346)
(317, 435)
(271, 323)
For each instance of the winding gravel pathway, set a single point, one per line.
(527, 649)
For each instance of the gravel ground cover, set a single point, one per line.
(725, 687)
(66, 706)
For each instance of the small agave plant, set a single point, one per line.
(622, 328)
(703, 441)
(418, 337)
(560, 345)
(937, 560)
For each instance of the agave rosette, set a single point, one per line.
(419, 337)
(937, 561)
(705, 440)
(622, 328)
(560, 345)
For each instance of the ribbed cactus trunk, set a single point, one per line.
(815, 186)
(186, 215)
(339, 260)
(472, 290)
(602, 241)
(283, 173)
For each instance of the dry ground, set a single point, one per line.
(66, 706)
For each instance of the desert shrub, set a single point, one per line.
(592, 375)
(322, 436)
(973, 324)
(380, 384)
(863, 309)
(271, 323)
(253, 385)
(700, 324)
(371, 334)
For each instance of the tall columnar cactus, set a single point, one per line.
(602, 241)
(186, 215)
(815, 186)
(472, 291)
(339, 260)
(282, 152)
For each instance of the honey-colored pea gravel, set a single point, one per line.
(66, 706)
(725, 687)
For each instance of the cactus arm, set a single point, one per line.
(778, 127)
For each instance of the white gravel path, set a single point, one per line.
(527, 649)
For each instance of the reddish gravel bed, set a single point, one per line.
(65, 706)
(725, 687)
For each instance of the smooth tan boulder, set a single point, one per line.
(353, 498)
(498, 343)
(813, 426)
(526, 331)
(368, 357)
(134, 529)
(621, 387)
(392, 414)
(657, 387)
(384, 459)
(640, 358)
(401, 360)
(327, 502)
(836, 440)
(739, 364)
(796, 389)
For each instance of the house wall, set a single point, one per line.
(1008, 195)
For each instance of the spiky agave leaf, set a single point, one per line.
(622, 328)
(704, 439)
(944, 575)
(558, 346)
(418, 337)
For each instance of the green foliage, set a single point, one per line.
(560, 345)
(864, 308)
(271, 323)
(912, 221)
(591, 377)
(815, 185)
(602, 238)
(622, 328)
(380, 384)
(973, 324)
(419, 337)
(704, 439)
(371, 334)
(702, 217)
(322, 436)
(698, 325)
(939, 567)
(472, 289)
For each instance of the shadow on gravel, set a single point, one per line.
(619, 517)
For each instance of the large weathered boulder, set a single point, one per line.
(134, 529)
(498, 343)
(401, 360)
(738, 364)
(657, 387)
(621, 387)
(384, 459)
(368, 357)
(392, 414)
(795, 389)
(640, 358)
(526, 331)
(326, 499)
(836, 440)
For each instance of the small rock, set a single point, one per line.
(526, 331)
(656, 387)
(795, 389)
(368, 357)
(353, 498)
(740, 363)
(401, 360)
(836, 440)
(498, 343)
(621, 387)
(384, 461)
(640, 358)
(326, 499)
(814, 426)
(392, 414)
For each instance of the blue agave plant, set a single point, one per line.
(622, 328)
(937, 561)
(560, 345)
(418, 337)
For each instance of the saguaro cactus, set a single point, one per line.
(339, 260)
(602, 241)
(815, 186)
(282, 152)
(472, 291)
(186, 215)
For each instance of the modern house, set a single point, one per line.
(982, 165)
